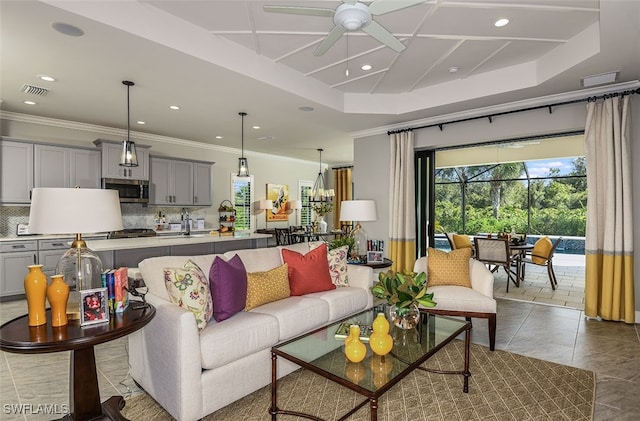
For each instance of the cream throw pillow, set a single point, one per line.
(188, 287)
(448, 268)
(266, 287)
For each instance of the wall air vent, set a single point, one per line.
(34, 90)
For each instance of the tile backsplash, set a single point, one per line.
(133, 216)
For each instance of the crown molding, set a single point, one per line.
(495, 109)
(139, 136)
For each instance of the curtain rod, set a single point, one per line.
(490, 116)
(342, 168)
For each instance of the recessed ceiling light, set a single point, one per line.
(218, 137)
(256, 127)
(141, 122)
(30, 103)
(305, 108)
(501, 22)
(47, 78)
(365, 67)
(454, 69)
(66, 29)
(174, 107)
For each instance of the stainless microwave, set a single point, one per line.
(130, 191)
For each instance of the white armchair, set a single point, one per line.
(476, 301)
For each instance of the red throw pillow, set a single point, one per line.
(309, 272)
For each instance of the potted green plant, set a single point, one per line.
(403, 292)
(343, 241)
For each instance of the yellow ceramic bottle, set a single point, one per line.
(354, 349)
(58, 294)
(35, 288)
(380, 341)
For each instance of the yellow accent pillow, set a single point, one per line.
(461, 241)
(266, 287)
(448, 268)
(542, 247)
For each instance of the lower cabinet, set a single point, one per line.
(130, 258)
(15, 257)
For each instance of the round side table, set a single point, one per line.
(84, 396)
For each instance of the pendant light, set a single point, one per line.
(243, 164)
(319, 193)
(128, 157)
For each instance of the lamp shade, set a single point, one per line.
(295, 204)
(266, 204)
(358, 210)
(74, 211)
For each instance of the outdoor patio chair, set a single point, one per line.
(542, 255)
(495, 253)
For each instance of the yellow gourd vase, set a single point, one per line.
(380, 341)
(58, 294)
(354, 349)
(35, 288)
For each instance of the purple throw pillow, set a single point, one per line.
(228, 283)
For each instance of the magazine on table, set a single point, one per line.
(343, 331)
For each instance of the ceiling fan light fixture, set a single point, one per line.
(128, 157)
(501, 22)
(352, 16)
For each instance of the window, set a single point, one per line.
(305, 217)
(242, 198)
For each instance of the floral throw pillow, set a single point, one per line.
(338, 266)
(188, 287)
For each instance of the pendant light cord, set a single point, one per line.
(242, 114)
(128, 115)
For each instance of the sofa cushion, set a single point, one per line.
(258, 260)
(153, 275)
(297, 315)
(338, 266)
(344, 301)
(188, 287)
(242, 334)
(308, 272)
(228, 284)
(450, 297)
(448, 268)
(265, 287)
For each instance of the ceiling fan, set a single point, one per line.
(352, 15)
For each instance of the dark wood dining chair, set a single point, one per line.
(495, 253)
(283, 237)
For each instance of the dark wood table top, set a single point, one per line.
(18, 337)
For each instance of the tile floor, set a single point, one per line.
(552, 333)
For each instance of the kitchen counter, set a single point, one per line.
(167, 240)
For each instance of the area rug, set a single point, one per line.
(503, 386)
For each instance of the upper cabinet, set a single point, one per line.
(58, 166)
(179, 182)
(16, 172)
(111, 168)
(27, 165)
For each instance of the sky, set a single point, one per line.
(540, 168)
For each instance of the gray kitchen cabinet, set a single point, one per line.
(171, 182)
(58, 166)
(192, 249)
(15, 256)
(111, 168)
(50, 252)
(202, 184)
(16, 172)
(130, 258)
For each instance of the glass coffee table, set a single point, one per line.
(320, 352)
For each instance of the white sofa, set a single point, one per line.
(476, 301)
(191, 373)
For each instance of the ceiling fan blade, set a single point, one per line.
(380, 7)
(331, 39)
(293, 10)
(378, 32)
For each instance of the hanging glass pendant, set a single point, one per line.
(243, 163)
(128, 157)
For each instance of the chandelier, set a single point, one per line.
(319, 193)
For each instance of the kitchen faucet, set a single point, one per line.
(186, 227)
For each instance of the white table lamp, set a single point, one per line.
(358, 211)
(76, 211)
(265, 205)
(295, 205)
